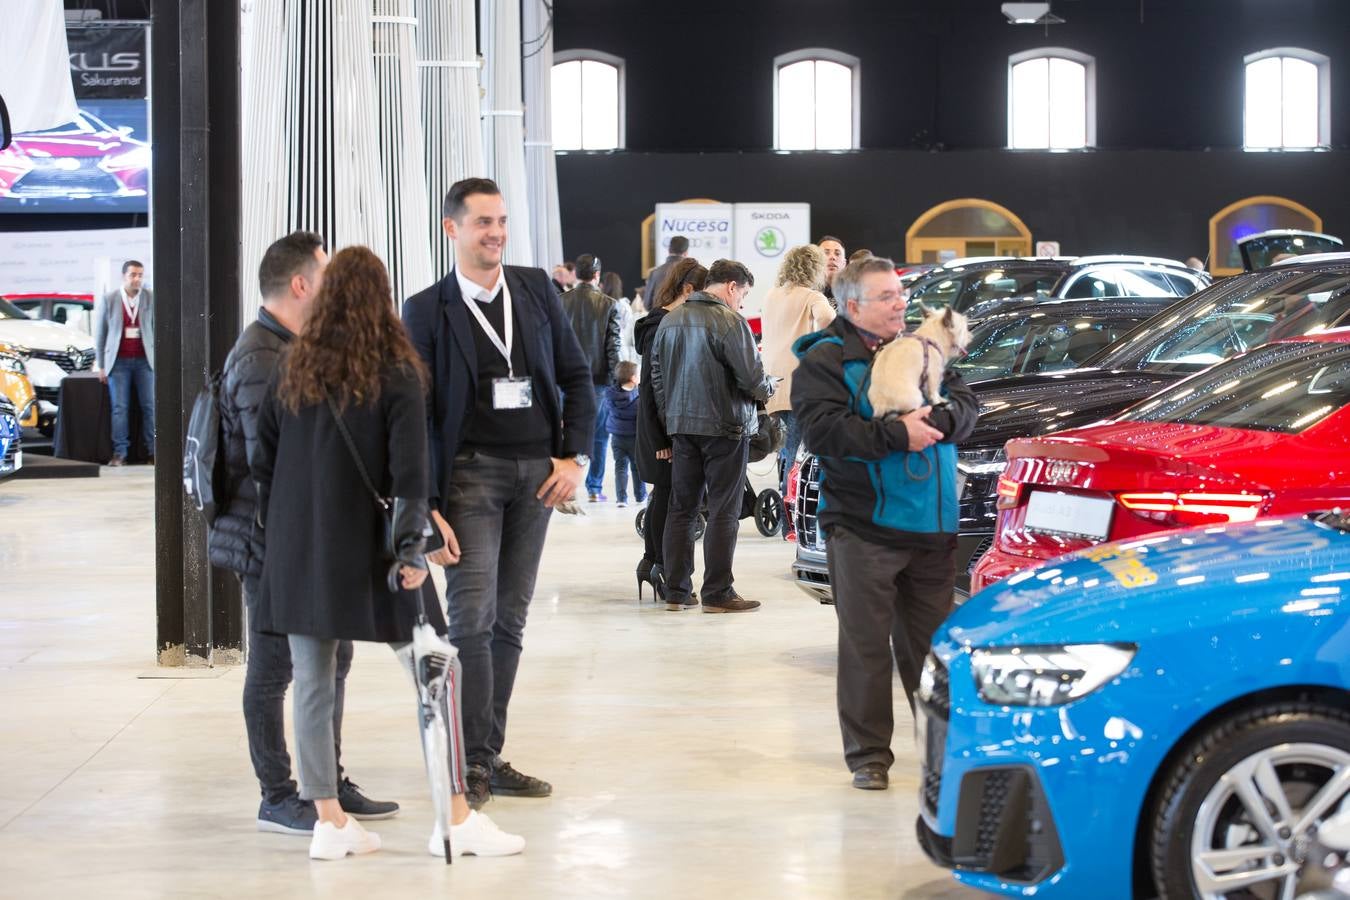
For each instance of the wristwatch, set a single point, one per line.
(582, 460)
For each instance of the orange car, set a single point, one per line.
(15, 386)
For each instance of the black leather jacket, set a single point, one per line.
(706, 372)
(595, 319)
(234, 542)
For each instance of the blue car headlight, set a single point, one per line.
(1046, 675)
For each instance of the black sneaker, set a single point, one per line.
(359, 806)
(510, 783)
(289, 816)
(477, 786)
(733, 604)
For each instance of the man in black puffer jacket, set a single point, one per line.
(289, 277)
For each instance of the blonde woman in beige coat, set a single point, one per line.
(795, 307)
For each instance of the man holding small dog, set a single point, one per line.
(888, 508)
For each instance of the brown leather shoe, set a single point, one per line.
(733, 604)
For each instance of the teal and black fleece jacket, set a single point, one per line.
(870, 482)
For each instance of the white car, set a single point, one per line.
(51, 351)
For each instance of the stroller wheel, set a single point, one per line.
(640, 523)
(768, 512)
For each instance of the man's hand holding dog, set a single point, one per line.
(921, 434)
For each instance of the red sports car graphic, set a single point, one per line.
(1262, 434)
(85, 159)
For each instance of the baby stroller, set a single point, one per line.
(766, 507)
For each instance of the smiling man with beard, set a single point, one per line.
(510, 416)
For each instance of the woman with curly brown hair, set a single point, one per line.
(794, 307)
(653, 444)
(348, 406)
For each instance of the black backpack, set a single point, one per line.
(203, 459)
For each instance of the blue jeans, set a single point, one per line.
(788, 455)
(625, 447)
(124, 372)
(595, 478)
(501, 527)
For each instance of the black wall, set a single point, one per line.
(934, 117)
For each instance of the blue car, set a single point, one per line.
(1164, 717)
(11, 437)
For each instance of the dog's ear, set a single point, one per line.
(947, 317)
(924, 308)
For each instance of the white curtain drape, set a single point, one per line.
(503, 121)
(310, 121)
(540, 164)
(448, 63)
(402, 147)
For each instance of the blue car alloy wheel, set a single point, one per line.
(1166, 717)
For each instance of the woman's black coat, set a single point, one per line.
(324, 572)
(651, 434)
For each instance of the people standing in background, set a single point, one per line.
(564, 276)
(653, 444)
(636, 304)
(595, 319)
(623, 403)
(612, 286)
(1196, 263)
(289, 277)
(856, 255)
(707, 377)
(124, 351)
(512, 412)
(795, 307)
(679, 249)
(835, 260)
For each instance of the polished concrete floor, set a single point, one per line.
(691, 755)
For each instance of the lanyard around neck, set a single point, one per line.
(503, 347)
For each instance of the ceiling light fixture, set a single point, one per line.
(1031, 14)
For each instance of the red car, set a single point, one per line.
(1262, 434)
(82, 160)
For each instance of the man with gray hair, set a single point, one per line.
(888, 508)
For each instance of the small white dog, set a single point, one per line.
(907, 372)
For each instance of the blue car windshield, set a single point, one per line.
(1231, 317)
(1284, 387)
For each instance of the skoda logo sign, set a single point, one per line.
(770, 241)
(1061, 470)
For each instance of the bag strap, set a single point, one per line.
(356, 456)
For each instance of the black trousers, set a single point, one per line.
(266, 678)
(715, 465)
(889, 601)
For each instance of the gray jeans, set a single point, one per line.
(501, 526)
(315, 661)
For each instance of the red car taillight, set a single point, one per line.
(793, 485)
(1192, 507)
(1009, 493)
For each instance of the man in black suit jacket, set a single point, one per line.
(510, 415)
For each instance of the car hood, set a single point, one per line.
(39, 334)
(1198, 580)
(1031, 405)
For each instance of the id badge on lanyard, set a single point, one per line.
(131, 319)
(510, 392)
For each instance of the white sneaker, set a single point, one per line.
(332, 842)
(476, 836)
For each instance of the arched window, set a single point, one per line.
(588, 111)
(1052, 103)
(815, 100)
(1288, 100)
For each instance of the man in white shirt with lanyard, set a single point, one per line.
(511, 411)
(124, 349)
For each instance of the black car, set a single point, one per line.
(1229, 317)
(981, 287)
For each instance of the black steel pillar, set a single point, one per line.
(195, 219)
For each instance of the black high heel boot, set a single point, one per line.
(657, 578)
(644, 575)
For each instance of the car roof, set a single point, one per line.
(1312, 258)
(1129, 259)
(1287, 232)
(1330, 336)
